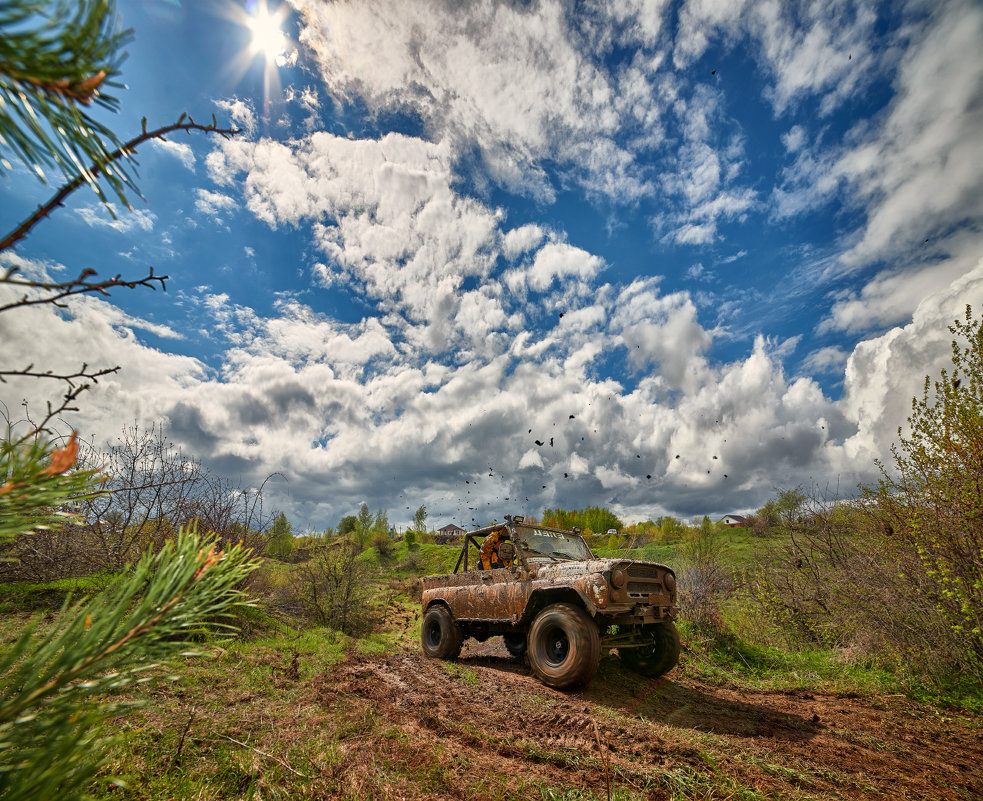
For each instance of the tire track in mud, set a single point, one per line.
(489, 712)
(491, 709)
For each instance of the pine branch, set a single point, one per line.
(54, 58)
(100, 647)
(102, 167)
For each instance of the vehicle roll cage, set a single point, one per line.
(511, 521)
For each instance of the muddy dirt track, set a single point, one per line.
(674, 737)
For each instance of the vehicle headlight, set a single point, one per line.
(670, 583)
(618, 577)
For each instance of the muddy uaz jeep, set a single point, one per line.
(553, 601)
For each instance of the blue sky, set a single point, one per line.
(698, 250)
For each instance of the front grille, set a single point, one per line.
(644, 580)
(639, 588)
(644, 572)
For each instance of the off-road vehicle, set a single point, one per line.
(556, 603)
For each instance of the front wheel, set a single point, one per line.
(564, 646)
(440, 635)
(655, 659)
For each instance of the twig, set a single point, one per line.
(279, 761)
(68, 378)
(180, 743)
(604, 758)
(77, 286)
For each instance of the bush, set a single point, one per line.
(702, 578)
(930, 507)
(333, 589)
(383, 543)
(897, 576)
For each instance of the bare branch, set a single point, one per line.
(77, 286)
(72, 379)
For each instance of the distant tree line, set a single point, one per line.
(592, 520)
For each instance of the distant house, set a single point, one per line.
(449, 533)
(734, 521)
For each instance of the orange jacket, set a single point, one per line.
(489, 550)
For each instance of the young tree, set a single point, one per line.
(363, 526)
(280, 540)
(420, 519)
(347, 524)
(380, 525)
(333, 589)
(932, 501)
(703, 576)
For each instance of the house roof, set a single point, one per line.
(450, 527)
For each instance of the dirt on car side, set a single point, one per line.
(554, 602)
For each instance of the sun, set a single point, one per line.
(267, 34)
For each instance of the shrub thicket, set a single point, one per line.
(898, 574)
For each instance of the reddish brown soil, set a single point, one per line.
(486, 716)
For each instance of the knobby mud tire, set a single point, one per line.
(657, 659)
(440, 635)
(564, 646)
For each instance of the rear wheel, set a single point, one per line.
(564, 646)
(440, 635)
(658, 658)
(516, 644)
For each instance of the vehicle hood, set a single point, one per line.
(547, 569)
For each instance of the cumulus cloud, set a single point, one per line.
(521, 240)
(828, 360)
(241, 113)
(922, 170)
(812, 49)
(914, 175)
(883, 373)
(557, 260)
(179, 150)
(455, 67)
(335, 406)
(108, 215)
(383, 214)
(662, 331)
(213, 204)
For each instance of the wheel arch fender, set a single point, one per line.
(546, 596)
(438, 602)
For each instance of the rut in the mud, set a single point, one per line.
(487, 710)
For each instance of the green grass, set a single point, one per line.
(19, 596)
(253, 720)
(422, 559)
(739, 548)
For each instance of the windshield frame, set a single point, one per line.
(564, 546)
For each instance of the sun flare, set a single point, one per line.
(267, 34)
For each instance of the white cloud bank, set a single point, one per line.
(450, 395)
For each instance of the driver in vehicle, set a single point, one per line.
(490, 556)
